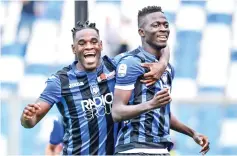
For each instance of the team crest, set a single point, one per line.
(122, 70)
(94, 89)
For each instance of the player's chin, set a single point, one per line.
(161, 45)
(91, 67)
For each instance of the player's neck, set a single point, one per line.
(81, 68)
(151, 50)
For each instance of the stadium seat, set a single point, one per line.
(194, 3)
(16, 49)
(4, 117)
(199, 119)
(219, 18)
(186, 22)
(184, 88)
(233, 56)
(226, 7)
(3, 144)
(11, 22)
(187, 54)
(170, 16)
(53, 10)
(64, 50)
(227, 133)
(231, 88)
(42, 46)
(11, 69)
(24, 28)
(230, 111)
(228, 150)
(165, 5)
(3, 7)
(41, 69)
(31, 86)
(234, 31)
(214, 56)
(172, 43)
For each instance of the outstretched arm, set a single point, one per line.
(33, 113)
(200, 139)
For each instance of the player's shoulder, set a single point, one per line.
(63, 71)
(130, 57)
(58, 75)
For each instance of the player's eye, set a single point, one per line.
(94, 41)
(166, 25)
(155, 25)
(81, 43)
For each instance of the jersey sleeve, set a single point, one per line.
(118, 57)
(172, 72)
(127, 72)
(52, 91)
(56, 136)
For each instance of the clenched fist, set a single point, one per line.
(30, 111)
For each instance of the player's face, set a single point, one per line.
(87, 48)
(156, 30)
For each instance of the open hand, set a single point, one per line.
(202, 140)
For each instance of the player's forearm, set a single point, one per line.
(126, 112)
(180, 127)
(165, 56)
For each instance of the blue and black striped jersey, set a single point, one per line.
(84, 100)
(150, 129)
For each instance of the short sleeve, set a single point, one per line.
(172, 71)
(127, 72)
(52, 91)
(56, 136)
(118, 57)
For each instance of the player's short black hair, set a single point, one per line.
(145, 11)
(83, 25)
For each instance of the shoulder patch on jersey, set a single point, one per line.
(122, 70)
(52, 77)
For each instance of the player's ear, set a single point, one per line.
(141, 32)
(101, 45)
(73, 49)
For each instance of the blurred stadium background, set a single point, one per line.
(36, 41)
